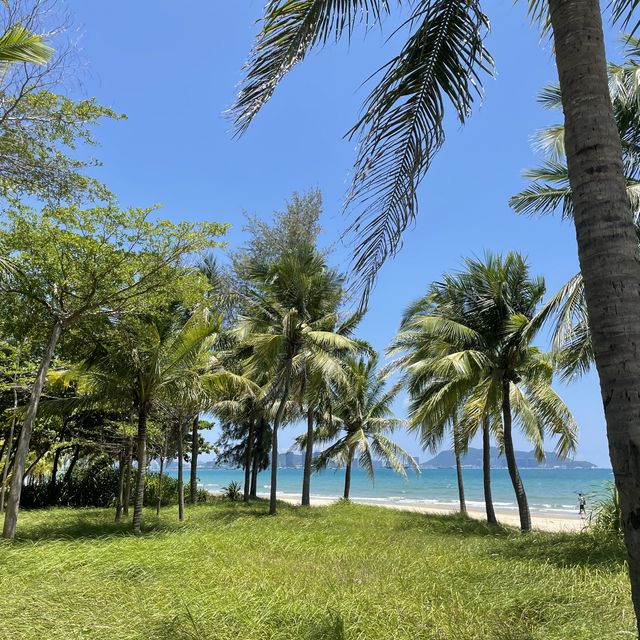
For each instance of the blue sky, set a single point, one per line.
(173, 68)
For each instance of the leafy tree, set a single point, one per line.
(360, 418)
(70, 265)
(468, 357)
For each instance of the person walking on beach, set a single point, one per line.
(582, 502)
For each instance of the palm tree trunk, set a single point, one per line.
(121, 470)
(486, 472)
(308, 461)
(463, 504)
(607, 246)
(180, 473)
(457, 446)
(253, 493)
(160, 476)
(193, 471)
(347, 475)
(142, 469)
(247, 461)
(274, 444)
(516, 480)
(5, 469)
(22, 450)
(127, 483)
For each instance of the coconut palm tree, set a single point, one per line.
(441, 65)
(358, 423)
(287, 331)
(467, 355)
(145, 361)
(550, 191)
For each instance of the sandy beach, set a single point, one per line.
(541, 522)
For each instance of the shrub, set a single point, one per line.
(233, 491)
(607, 517)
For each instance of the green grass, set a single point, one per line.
(340, 572)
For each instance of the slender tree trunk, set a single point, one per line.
(180, 473)
(463, 504)
(72, 465)
(274, 445)
(516, 480)
(142, 469)
(253, 493)
(607, 247)
(308, 461)
(53, 482)
(160, 476)
(127, 482)
(22, 450)
(457, 447)
(5, 469)
(121, 471)
(486, 472)
(247, 461)
(347, 476)
(193, 477)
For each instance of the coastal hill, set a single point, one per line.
(525, 459)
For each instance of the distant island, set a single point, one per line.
(525, 460)
(444, 460)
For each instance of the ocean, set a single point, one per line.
(550, 491)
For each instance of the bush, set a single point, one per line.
(94, 483)
(607, 517)
(233, 491)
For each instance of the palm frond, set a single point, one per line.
(290, 29)
(402, 125)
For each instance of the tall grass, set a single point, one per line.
(342, 572)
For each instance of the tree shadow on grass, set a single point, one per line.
(565, 550)
(81, 523)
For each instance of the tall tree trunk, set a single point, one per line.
(253, 493)
(347, 475)
(121, 471)
(142, 469)
(180, 473)
(463, 504)
(160, 476)
(607, 247)
(53, 482)
(193, 472)
(247, 461)
(127, 482)
(72, 465)
(486, 472)
(22, 450)
(510, 455)
(308, 461)
(5, 468)
(457, 447)
(274, 444)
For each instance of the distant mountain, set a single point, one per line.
(525, 460)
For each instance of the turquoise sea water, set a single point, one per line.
(549, 490)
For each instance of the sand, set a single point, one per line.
(540, 521)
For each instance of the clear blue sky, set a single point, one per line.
(173, 67)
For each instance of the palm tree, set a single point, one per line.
(442, 63)
(145, 360)
(467, 355)
(286, 331)
(550, 191)
(358, 423)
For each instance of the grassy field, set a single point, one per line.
(340, 572)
